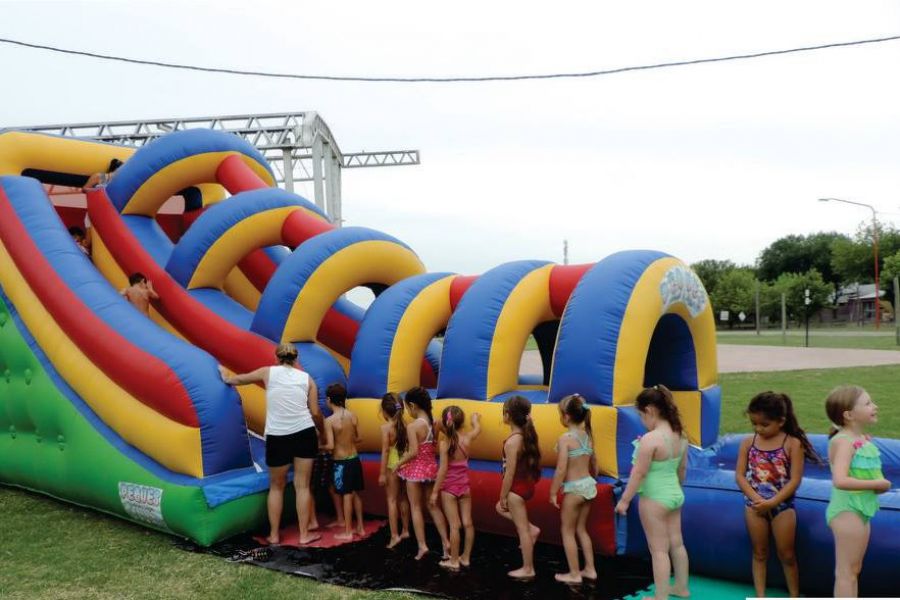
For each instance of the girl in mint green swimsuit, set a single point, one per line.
(576, 468)
(857, 479)
(657, 472)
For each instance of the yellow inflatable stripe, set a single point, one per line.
(644, 310)
(20, 150)
(427, 314)
(187, 172)
(527, 306)
(373, 261)
(242, 290)
(256, 231)
(688, 404)
(173, 445)
(493, 432)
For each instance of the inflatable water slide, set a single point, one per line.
(106, 408)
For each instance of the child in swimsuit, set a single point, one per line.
(393, 443)
(418, 468)
(521, 471)
(857, 479)
(657, 473)
(576, 467)
(769, 471)
(341, 437)
(453, 482)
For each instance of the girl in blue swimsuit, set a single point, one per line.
(576, 468)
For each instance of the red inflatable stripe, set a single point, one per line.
(458, 287)
(143, 375)
(563, 279)
(238, 349)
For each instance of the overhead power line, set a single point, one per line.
(614, 71)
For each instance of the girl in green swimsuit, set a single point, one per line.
(658, 470)
(576, 467)
(857, 478)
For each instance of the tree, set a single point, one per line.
(710, 271)
(735, 293)
(889, 271)
(794, 286)
(799, 254)
(853, 260)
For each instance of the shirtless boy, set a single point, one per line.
(341, 437)
(140, 292)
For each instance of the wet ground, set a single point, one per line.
(368, 564)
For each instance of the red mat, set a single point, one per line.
(290, 535)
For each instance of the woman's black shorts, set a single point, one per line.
(282, 449)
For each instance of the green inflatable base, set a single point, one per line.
(47, 446)
(703, 588)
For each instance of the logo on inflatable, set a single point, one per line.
(143, 503)
(680, 284)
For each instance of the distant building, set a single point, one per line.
(855, 303)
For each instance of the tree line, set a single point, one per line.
(821, 262)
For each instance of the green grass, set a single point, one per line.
(808, 390)
(53, 550)
(817, 339)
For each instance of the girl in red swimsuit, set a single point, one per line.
(521, 470)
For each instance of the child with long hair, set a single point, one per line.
(453, 482)
(657, 473)
(521, 471)
(576, 467)
(769, 471)
(857, 479)
(393, 444)
(418, 468)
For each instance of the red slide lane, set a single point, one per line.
(236, 348)
(142, 375)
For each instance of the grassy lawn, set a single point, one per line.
(55, 550)
(817, 339)
(808, 390)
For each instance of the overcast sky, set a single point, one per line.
(709, 161)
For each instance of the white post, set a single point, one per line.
(317, 172)
(784, 318)
(328, 159)
(288, 166)
(896, 308)
(757, 307)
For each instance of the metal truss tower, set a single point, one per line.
(299, 146)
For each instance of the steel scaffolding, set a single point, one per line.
(299, 146)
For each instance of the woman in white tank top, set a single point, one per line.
(292, 421)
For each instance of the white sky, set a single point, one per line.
(710, 161)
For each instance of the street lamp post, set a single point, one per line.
(875, 248)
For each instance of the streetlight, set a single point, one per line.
(875, 247)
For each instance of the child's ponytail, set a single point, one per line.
(660, 397)
(776, 406)
(393, 408)
(578, 411)
(452, 420)
(792, 427)
(519, 411)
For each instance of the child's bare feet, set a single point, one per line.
(394, 541)
(310, 538)
(589, 573)
(522, 573)
(446, 555)
(361, 531)
(681, 593)
(423, 550)
(404, 535)
(464, 561)
(568, 578)
(335, 524)
(313, 525)
(449, 564)
(273, 540)
(344, 536)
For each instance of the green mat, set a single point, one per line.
(703, 588)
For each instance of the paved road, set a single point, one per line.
(740, 359)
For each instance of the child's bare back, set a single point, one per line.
(344, 429)
(140, 292)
